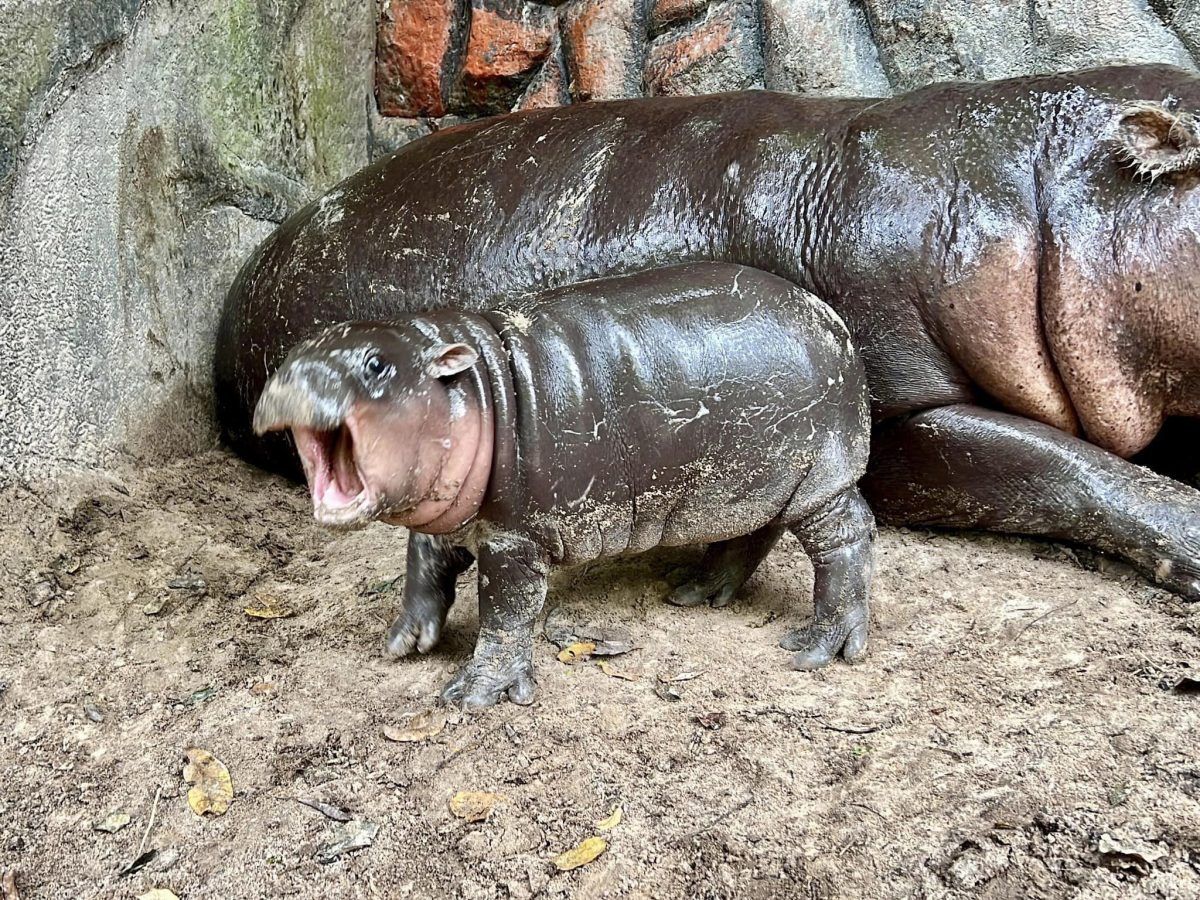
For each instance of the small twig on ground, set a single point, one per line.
(326, 809)
(736, 808)
(469, 747)
(1044, 615)
(851, 729)
(150, 824)
(872, 810)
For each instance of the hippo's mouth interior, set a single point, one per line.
(338, 490)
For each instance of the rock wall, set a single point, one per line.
(145, 148)
(147, 145)
(474, 57)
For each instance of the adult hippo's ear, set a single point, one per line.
(450, 359)
(1158, 142)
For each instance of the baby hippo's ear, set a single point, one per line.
(1156, 141)
(450, 359)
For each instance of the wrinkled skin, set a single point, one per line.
(1017, 262)
(656, 409)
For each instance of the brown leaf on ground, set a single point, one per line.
(613, 820)
(474, 806)
(608, 670)
(581, 855)
(575, 652)
(417, 727)
(212, 786)
(268, 606)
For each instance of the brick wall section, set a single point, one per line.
(480, 57)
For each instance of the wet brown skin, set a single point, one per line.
(1017, 262)
(597, 420)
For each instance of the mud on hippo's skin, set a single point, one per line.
(621, 415)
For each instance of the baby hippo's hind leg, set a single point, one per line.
(433, 566)
(726, 566)
(837, 538)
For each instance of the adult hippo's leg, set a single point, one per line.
(969, 467)
(726, 566)
(837, 538)
(433, 566)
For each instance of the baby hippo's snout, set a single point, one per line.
(313, 397)
(304, 392)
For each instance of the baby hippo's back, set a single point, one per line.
(676, 406)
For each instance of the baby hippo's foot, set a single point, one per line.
(837, 538)
(498, 669)
(714, 588)
(418, 627)
(433, 565)
(725, 568)
(818, 644)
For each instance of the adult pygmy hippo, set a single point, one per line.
(1018, 263)
(694, 404)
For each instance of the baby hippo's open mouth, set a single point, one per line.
(339, 491)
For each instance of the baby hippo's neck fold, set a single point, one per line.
(466, 445)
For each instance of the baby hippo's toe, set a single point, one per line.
(413, 630)
(818, 644)
(483, 682)
(698, 593)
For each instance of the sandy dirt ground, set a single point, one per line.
(1026, 724)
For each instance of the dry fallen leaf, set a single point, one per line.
(8, 885)
(576, 652)
(266, 606)
(327, 809)
(418, 727)
(155, 606)
(474, 806)
(612, 821)
(112, 823)
(667, 692)
(608, 641)
(1133, 854)
(212, 790)
(713, 720)
(581, 855)
(346, 838)
(158, 894)
(608, 670)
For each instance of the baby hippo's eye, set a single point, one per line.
(375, 366)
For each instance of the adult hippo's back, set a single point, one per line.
(1016, 260)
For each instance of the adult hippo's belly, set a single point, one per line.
(1017, 262)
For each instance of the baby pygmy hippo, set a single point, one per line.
(701, 403)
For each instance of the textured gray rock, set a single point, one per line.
(821, 47)
(148, 171)
(146, 146)
(921, 42)
(41, 41)
(719, 51)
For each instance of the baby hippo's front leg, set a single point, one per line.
(512, 589)
(433, 566)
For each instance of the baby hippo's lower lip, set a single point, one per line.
(340, 494)
(362, 508)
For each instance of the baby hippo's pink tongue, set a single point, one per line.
(345, 486)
